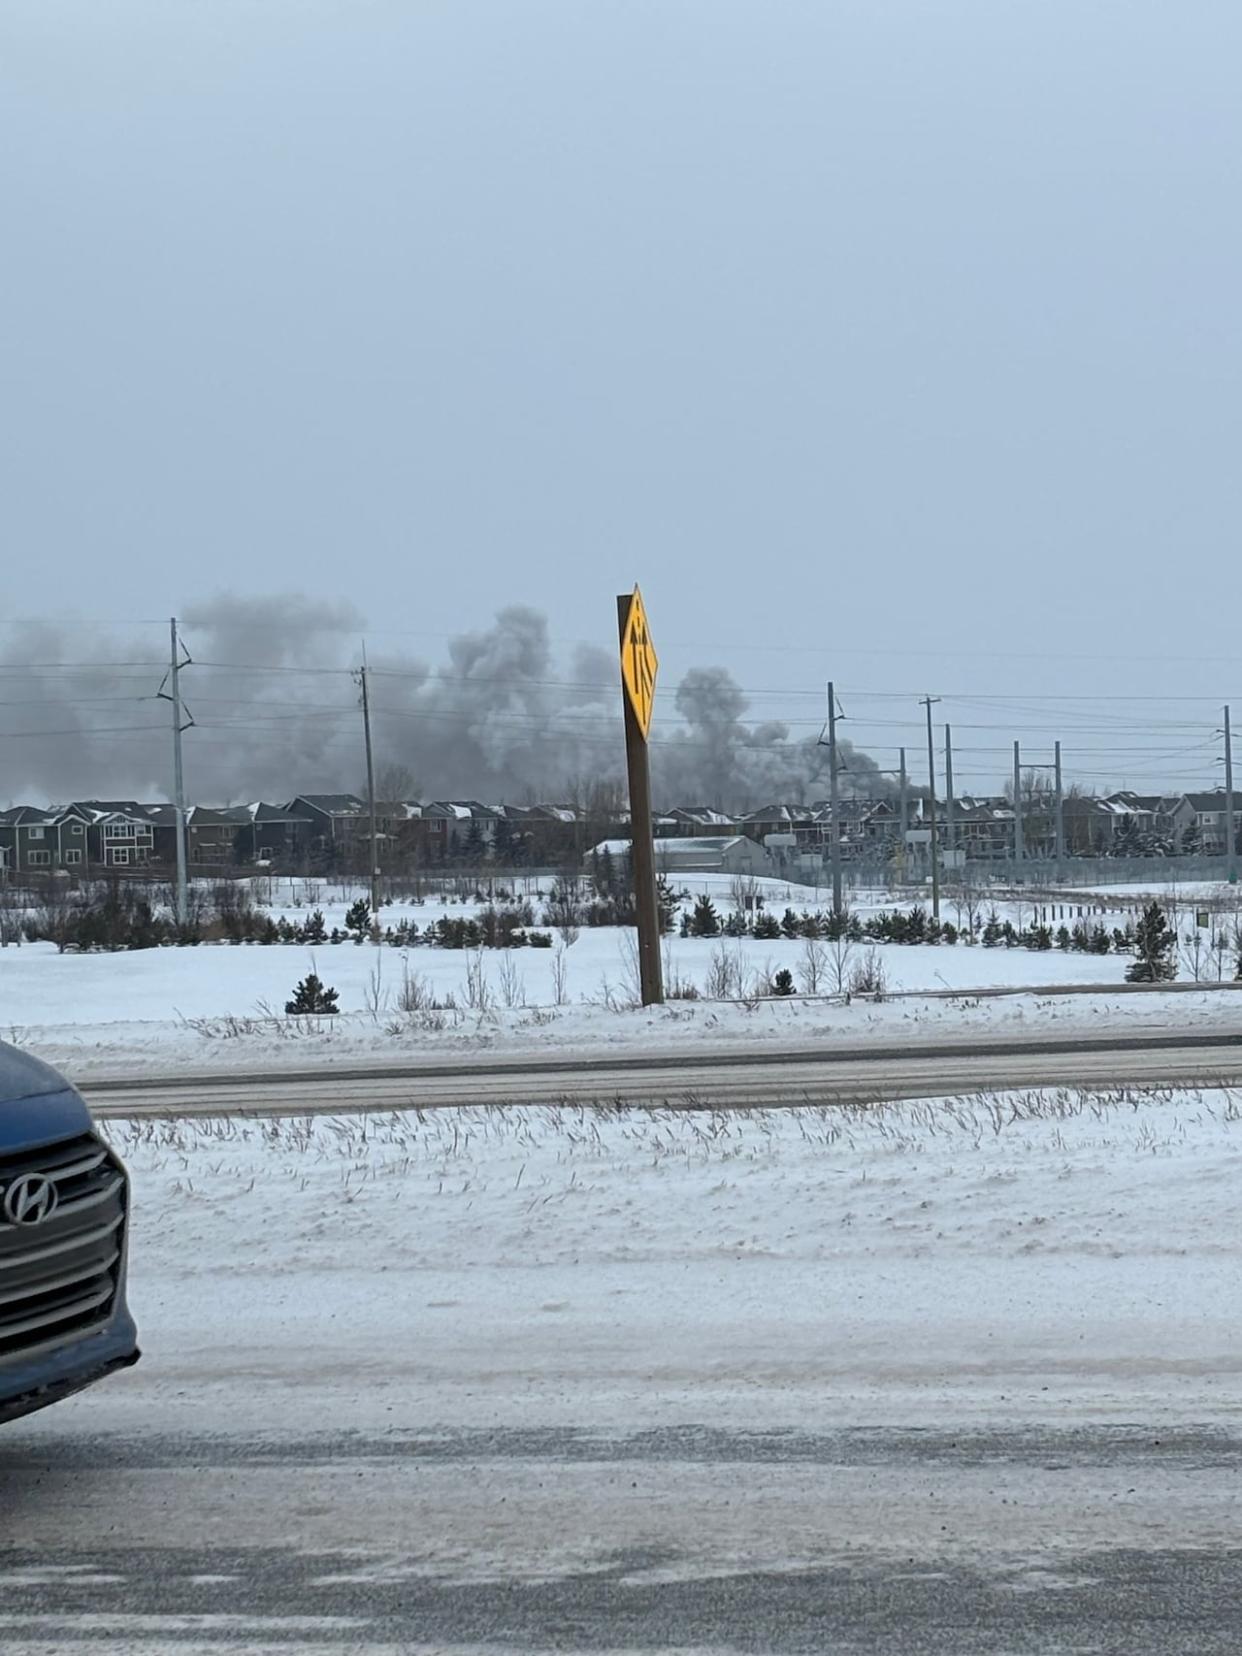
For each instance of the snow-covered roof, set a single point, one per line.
(333, 804)
(690, 846)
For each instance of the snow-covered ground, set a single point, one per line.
(1027, 1257)
(200, 1010)
(221, 1005)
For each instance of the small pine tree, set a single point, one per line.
(311, 995)
(783, 983)
(704, 922)
(358, 918)
(767, 927)
(1063, 938)
(1154, 944)
(666, 902)
(992, 933)
(1040, 937)
(605, 873)
(791, 926)
(474, 847)
(915, 925)
(313, 928)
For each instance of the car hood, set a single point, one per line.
(37, 1105)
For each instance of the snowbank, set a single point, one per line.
(1015, 1257)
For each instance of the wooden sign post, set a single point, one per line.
(639, 665)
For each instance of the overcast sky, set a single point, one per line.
(891, 341)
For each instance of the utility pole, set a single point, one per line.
(834, 794)
(950, 833)
(1060, 823)
(929, 702)
(1231, 840)
(902, 825)
(174, 696)
(1019, 848)
(366, 732)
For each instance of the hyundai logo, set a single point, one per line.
(30, 1200)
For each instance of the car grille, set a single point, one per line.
(58, 1278)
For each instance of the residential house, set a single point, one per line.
(983, 828)
(276, 836)
(216, 835)
(851, 814)
(544, 833)
(698, 820)
(120, 833)
(213, 834)
(33, 839)
(335, 823)
(1206, 812)
(446, 828)
(798, 820)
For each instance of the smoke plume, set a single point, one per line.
(272, 690)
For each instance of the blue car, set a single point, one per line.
(64, 1219)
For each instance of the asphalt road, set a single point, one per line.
(724, 1077)
(1105, 1540)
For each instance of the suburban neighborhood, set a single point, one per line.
(323, 833)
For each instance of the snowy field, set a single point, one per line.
(1025, 1257)
(222, 1006)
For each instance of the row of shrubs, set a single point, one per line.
(125, 919)
(914, 925)
(128, 921)
(494, 928)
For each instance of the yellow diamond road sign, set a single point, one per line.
(639, 663)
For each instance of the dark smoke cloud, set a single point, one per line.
(500, 716)
(719, 760)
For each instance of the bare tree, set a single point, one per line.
(840, 961)
(394, 783)
(813, 967)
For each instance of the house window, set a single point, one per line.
(117, 830)
(35, 833)
(38, 859)
(72, 857)
(143, 835)
(119, 855)
(75, 827)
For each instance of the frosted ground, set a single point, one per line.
(1069, 1255)
(219, 1006)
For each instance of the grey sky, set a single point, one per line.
(891, 340)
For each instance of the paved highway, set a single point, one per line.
(724, 1077)
(1115, 1541)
